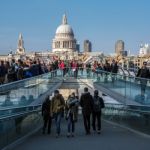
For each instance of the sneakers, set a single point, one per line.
(88, 133)
(70, 135)
(57, 135)
(99, 132)
(48, 132)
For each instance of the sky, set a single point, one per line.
(103, 22)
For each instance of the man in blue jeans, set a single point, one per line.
(58, 105)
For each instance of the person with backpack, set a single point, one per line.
(58, 105)
(47, 115)
(98, 104)
(86, 102)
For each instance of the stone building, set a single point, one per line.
(64, 41)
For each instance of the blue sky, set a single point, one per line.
(101, 21)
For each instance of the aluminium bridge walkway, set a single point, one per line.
(112, 137)
(19, 120)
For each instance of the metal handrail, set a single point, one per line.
(125, 108)
(11, 108)
(18, 115)
(27, 79)
(97, 71)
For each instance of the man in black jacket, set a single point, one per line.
(114, 70)
(98, 104)
(86, 104)
(144, 74)
(46, 113)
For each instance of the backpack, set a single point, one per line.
(98, 103)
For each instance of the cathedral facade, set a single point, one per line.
(64, 41)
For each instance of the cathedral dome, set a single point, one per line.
(64, 28)
(64, 40)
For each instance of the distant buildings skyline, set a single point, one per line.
(144, 49)
(87, 46)
(119, 46)
(102, 22)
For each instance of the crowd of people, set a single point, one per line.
(22, 69)
(19, 69)
(56, 108)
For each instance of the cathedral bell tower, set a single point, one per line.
(20, 46)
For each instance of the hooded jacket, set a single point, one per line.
(86, 102)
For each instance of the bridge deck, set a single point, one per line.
(111, 138)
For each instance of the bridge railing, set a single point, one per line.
(8, 111)
(14, 127)
(133, 117)
(129, 87)
(25, 92)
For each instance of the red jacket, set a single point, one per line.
(62, 65)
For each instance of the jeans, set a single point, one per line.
(87, 124)
(76, 73)
(143, 83)
(57, 118)
(47, 121)
(96, 116)
(71, 124)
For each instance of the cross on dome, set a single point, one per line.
(64, 19)
(20, 36)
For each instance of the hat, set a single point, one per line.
(56, 92)
(71, 96)
(85, 89)
(96, 92)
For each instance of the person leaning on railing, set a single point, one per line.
(144, 74)
(107, 69)
(114, 70)
(20, 71)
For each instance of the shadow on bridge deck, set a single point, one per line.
(111, 138)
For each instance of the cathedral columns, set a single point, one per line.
(69, 44)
